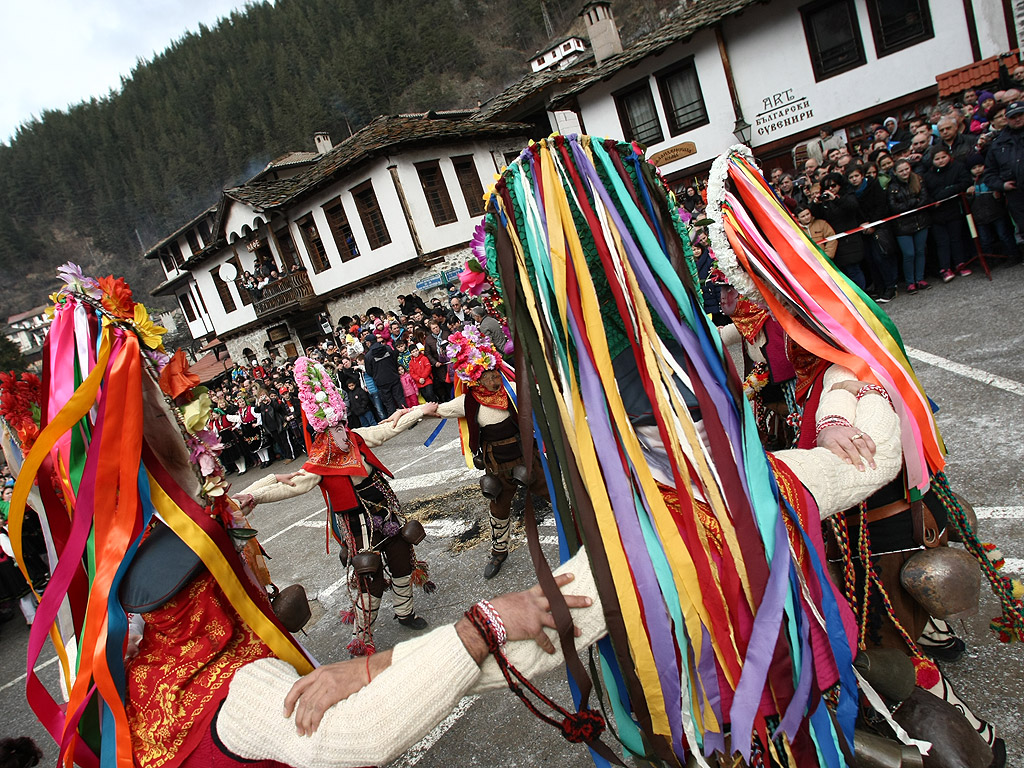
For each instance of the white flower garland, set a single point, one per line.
(724, 254)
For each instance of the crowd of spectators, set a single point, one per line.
(381, 361)
(959, 158)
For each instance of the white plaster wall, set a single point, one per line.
(197, 328)
(433, 237)
(769, 57)
(237, 216)
(768, 51)
(602, 119)
(369, 261)
(991, 24)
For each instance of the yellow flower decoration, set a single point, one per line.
(149, 331)
(197, 413)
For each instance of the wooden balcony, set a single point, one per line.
(288, 292)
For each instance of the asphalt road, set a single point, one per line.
(964, 338)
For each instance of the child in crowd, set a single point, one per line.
(989, 209)
(359, 404)
(404, 353)
(412, 391)
(422, 373)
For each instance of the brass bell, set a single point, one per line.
(291, 606)
(969, 513)
(413, 532)
(888, 670)
(520, 475)
(944, 580)
(873, 751)
(367, 563)
(955, 743)
(490, 486)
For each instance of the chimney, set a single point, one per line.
(322, 140)
(604, 35)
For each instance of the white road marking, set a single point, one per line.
(297, 524)
(443, 447)
(447, 528)
(417, 751)
(1014, 564)
(999, 513)
(435, 479)
(310, 523)
(326, 592)
(967, 371)
(21, 678)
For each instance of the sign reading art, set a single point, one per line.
(670, 155)
(782, 110)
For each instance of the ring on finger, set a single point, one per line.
(858, 436)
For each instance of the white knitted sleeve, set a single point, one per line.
(453, 408)
(837, 485)
(380, 434)
(527, 656)
(370, 727)
(268, 489)
(837, 402)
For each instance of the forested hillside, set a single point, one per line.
(98, 182)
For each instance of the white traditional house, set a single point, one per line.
(770, 73)
(392, 205)
(28, 330)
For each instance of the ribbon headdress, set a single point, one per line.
(122, 438)
(708, 631)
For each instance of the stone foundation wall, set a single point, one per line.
(255, 340)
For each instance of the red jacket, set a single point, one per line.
(420, 368)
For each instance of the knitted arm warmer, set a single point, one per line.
(371, 727)
(837, 402)
(453, 408)
(380, 434)
(267, 489)
(527, 656)
(837, 485)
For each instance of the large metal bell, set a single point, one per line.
(873, 751)
(520, 475)
(888, 670)
(972, 520)
(291, 606)
(367, 563)
(955, 743)
(413, 532)
(478, 461)
(944, 580)
(343, 553)
(490, 486)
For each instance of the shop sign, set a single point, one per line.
(670, 155)
(782, 110)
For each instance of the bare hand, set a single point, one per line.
(321, 689)
(287, 479)
(850, 445)
(132, 648)
(525, 614)
(1009, 186)
(428, 409)
(246, 504)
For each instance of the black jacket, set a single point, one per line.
(358, 401)
(1004, 160)
(902, 199)
(274, 414)
(382, 364)
(943, 182)
(843, 213)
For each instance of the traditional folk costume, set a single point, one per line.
(227, 431)
(489, 425)
(364, 516)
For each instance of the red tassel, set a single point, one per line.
(348, 617)
(927, 673)
(358, 647)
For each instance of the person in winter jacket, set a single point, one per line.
(906, 193)
(880, 246)
(837, 204)
(818, 230)
(1004, 163)
(989, 210)
(422, 373)
(948, 177)
(382, 365)
(359, 404)
(412, 392)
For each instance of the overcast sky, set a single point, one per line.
(55, 53)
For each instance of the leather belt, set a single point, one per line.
(888, 510)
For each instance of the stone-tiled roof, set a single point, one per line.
(705, 13)
(380, 135)
(534, 84)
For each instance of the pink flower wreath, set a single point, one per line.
(321, 401)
